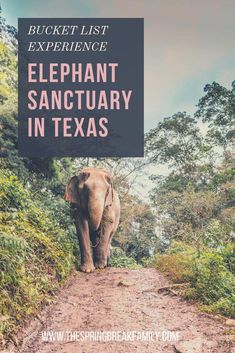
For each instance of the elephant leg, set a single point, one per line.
(101, 251)
(109, 248)
(108, 257)
(87, 264)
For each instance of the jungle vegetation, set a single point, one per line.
(185, 227)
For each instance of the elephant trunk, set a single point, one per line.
(95, 211)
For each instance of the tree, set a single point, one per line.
(217, 108)
(199, 186)
(178, 143)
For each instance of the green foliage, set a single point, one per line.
(13, 194)
(211, 280)
(178, 142)
(217, 107)
(175, 262)
(36, 235)
(208, 271)
(194, 204)
(36, 252)
(223, 176)
(8, 72)
(186, 213)
(136, 232)
(118, 258)
(228, 254)
(216, 234)
(223, 306)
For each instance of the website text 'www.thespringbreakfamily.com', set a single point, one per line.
(108, 336)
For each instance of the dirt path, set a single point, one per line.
(99, 302)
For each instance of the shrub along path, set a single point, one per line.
(123, 300)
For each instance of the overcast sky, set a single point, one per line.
(188, 43)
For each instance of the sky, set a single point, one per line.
(188, 44)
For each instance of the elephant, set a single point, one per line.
(97, 214)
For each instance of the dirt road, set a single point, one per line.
(125, 301)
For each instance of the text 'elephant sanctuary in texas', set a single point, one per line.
(96, 217)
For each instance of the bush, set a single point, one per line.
(224, 306)
(208, 271)
(12, 193)
(216, 234)
(175, 262)
(228, 254)
(36, 253)
(118, 258)
(210, 279)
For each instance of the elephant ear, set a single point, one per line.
(109, 195)
(71, 191)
